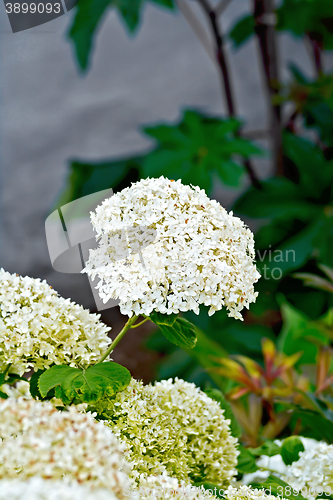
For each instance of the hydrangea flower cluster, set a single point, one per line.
(165, 487)
(38, 440)
(248, 493)
(39, 328)
(194, 252)
(20, 390)
(40, 489)
(174, 428)
(313, 470)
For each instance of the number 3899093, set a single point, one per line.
(33, 8)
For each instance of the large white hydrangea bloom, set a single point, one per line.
(40, 489)
(165, 487)
(167, 247)
(38, 440)
(174, 428)
(313, 472)
(39, 328)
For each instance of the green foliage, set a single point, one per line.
(88, 178)
(290, 449)
(301, 334)
(278, 487)
(242, 31)
(313, 99)
(73, 385)
(198, 148)
(246, 461)
(177, 330)
(248, 456)
(89, 16)
(218, 396)
(312, 17)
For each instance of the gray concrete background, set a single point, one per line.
(50, 113)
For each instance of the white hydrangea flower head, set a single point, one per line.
(248, 493)
(174, 428)
(191, 252)
(313, 470)
(38, 440)
(39, 489)
(164, 487)
(39, 328)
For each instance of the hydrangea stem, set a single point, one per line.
(118, 338)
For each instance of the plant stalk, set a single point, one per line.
(116, 341)
(225, 76)
(265, 17)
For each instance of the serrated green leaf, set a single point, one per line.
(218, 396)
(34, 389)
(179, 331)
(84, 386)
(290, 449)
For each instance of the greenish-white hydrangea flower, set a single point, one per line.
(38, 440)
(248, 493)
(20, 390)
(165, 487)
(39, 328)
(312, 474)
(173, 428)
(167, 247)
(40, 489)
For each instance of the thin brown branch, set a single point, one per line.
(225, 78)
(315, 55)
(265, 18)
(221, 58)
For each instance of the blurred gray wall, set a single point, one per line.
(50, 113)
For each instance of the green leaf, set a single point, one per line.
(87, 178)
(197, 148)
(84, 386)
(177, 330)
(89, 16)
(163, 319)
(298, 334)
(269, 448)
(242, 31)
(246, 461)
(312, 18)
(3, 395)
(278, 487)
(290, 449)
(181, 332)
(34, 389)
(228, 413)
